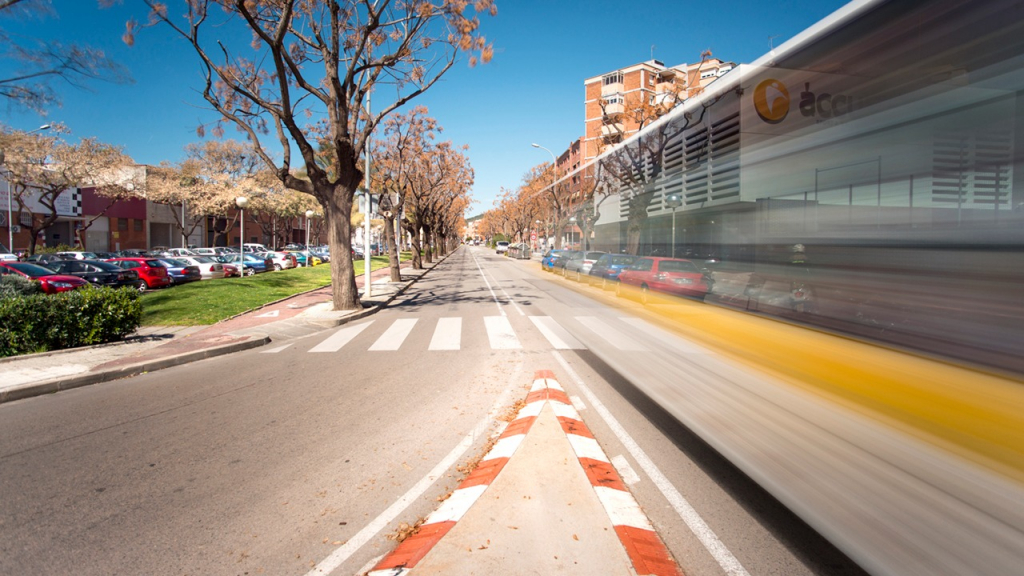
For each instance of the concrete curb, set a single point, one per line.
(87, 378)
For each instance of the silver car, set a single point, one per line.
(579, 265)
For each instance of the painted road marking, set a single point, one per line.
(276, 350)
(500, 333)
(558, 337)
(340, 338)
(447, 334)
(395, 335)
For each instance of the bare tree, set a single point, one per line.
(304, 83)
(36, 64)
(44, 166)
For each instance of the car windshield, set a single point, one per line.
(105, 266)
(32, 270)
(622, 260)
(203, 259)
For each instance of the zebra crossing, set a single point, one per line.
(447, 334)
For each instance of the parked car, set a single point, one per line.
(43, 258)
(76, 255)
(548, 261)
(674, 276)
(175, 252)
(253, 264)
(293, 246)
(301, 257)
(282, 260)
(322, 252)
(215, 251)
(50, 282)
(228, 262)
(97, 272)
(208, 267)
(558, 265)
(501, 247)
(606, 270)
(578, 266)
(131, 254)
(6, 255)
(254, 248)
(181, 272)
(152, 274)
(105, 255)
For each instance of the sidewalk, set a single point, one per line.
(157, 347)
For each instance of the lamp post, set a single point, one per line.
(10, 212)
(309, 214)
(572, 233)
(554, 173)
(674, 201)
(241, 202)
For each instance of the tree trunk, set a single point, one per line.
(393, 253)
(337, 205)
(414, 235)
(427, 239)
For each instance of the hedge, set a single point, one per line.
(42, 322)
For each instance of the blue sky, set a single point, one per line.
(532, 91)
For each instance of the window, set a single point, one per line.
(643, 265)
(138, 225)
(614, 78)
(122, 224)
(617, 99)
(708, 74)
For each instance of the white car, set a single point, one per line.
(76, 255)
(208, 267)
(501, 247)
(7, 256)
(282, 260)
(176, 252)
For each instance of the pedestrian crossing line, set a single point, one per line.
(395, 335)
(340, 338)
(447, 334)
(610, 335)
(500, 333)
(559, 337)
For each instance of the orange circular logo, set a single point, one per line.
(771, 101)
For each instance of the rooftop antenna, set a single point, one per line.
(771, 44)
(652, 51)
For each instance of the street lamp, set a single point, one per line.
(10, 212)
(554, 173)
(572, 232)
(309, 214)
(673, 202)
(241, 202)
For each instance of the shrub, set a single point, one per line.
(38, 323)
(12, 286)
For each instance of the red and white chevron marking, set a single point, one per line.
(642, 544)
(442, 520)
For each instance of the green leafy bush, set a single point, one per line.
(41, 322)
(12, 286)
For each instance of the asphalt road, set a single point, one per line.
(275, 460)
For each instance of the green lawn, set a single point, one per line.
(209, 301)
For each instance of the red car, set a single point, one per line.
(152, 274)
(673, 276)
(51, 282)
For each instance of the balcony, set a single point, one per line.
(610, 89)
(612, 129)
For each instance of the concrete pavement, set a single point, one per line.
(557, 506)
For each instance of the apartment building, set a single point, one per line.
(611, 96)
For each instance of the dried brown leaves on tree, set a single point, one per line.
(303, 82)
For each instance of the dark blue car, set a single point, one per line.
(605, 272)
(256, 265)
(179, 271)
(548, 261)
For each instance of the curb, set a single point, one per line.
(85, 379)
(645, 549)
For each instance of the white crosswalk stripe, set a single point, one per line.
(447, 334)
(558, 337)
(610, 335)
(500, 333)
(393, 337)
(340, 338)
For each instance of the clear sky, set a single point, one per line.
(532, 91)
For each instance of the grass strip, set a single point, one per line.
(210, 301)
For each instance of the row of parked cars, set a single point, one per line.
(628, 273)
(144, 270)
